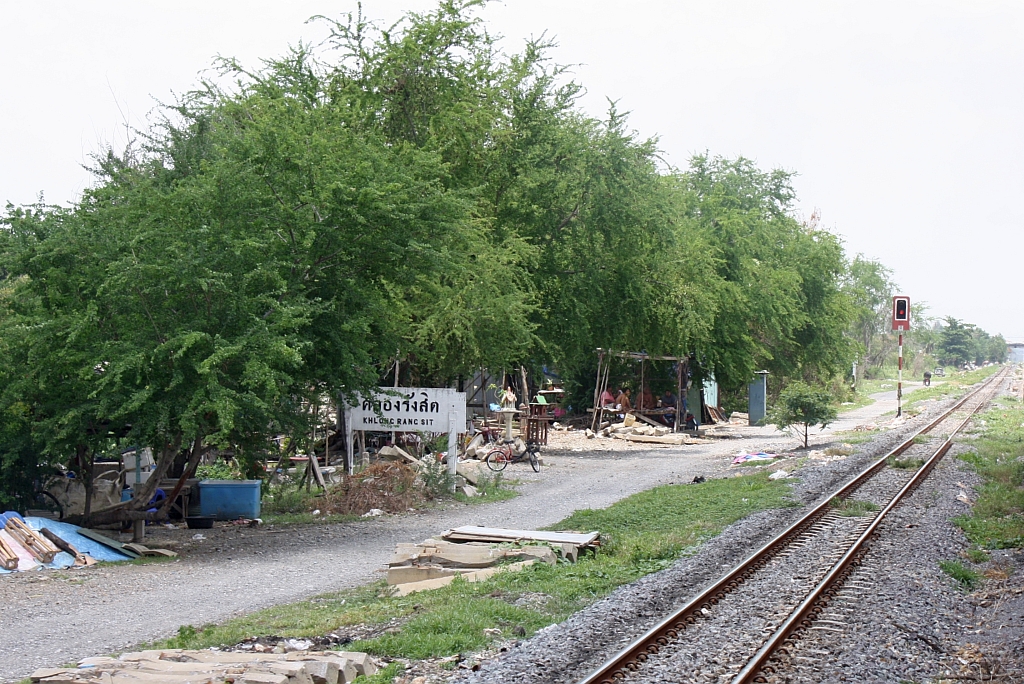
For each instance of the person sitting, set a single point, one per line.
(607, 399)
(622, 402)
(691, 422)
(646, 400)
(927, 379)
(668, 402)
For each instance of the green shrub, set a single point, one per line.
(967, 578)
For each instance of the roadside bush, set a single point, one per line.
(285, 499)
(437, 481)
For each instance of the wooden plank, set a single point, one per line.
(667, 440)
(652, 422)
(108, 542)
(8, 559)
(26, 561)
(37, 545)
(473, 532)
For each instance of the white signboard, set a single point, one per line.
(410, 409)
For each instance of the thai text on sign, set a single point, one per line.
(425, 409)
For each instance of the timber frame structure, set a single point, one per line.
(604, 365)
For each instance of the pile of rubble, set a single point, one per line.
(176, 666)
(633, 430)
(476, 553)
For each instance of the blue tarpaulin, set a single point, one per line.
(69, 533)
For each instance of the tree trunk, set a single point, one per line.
(134, 509)
(85, 462)
(805, 435)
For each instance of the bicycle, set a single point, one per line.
(498, 458)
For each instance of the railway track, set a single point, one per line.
(746, 626)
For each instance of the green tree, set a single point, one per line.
(778, 283)
(871, 288)
(803, 404)
(956, 342)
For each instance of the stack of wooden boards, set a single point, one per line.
(176, 666)
(476, 553)
(19, 543)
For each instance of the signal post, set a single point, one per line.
(900, 323)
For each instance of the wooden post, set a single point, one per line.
(453, 447)
(640, 393)
(349, 465)
(679, 393)
(598, 391)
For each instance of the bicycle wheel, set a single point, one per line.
(496, 459)
(534, 461)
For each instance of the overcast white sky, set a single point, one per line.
(904, 119)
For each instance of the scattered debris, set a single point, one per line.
(475, 553)
(39, 543)
(778, 475)
(700, 479)
(394, 453)
(372, 513)
(146, 551)
(174, 666)
(743, 457)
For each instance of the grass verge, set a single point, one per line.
(967, 578)
(997, 519)
(954, 384)
(641, 534)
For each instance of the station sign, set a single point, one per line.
(409, 409)
(900, 313)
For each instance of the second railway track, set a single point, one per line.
(745, 626)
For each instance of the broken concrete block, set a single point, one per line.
(323, 672)
(628, 420)
(473, 472)
(262, 678)
(401, 574)
(393, 453)
(360, 661)
(589, 433)
(295, 672)
(468, 490)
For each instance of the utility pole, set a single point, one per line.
(900, 323)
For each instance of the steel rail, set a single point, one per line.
(633, 656)
(804, 614)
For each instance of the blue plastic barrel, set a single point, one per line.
(229, 499)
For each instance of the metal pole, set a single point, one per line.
(899, 381)
(453, 447)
